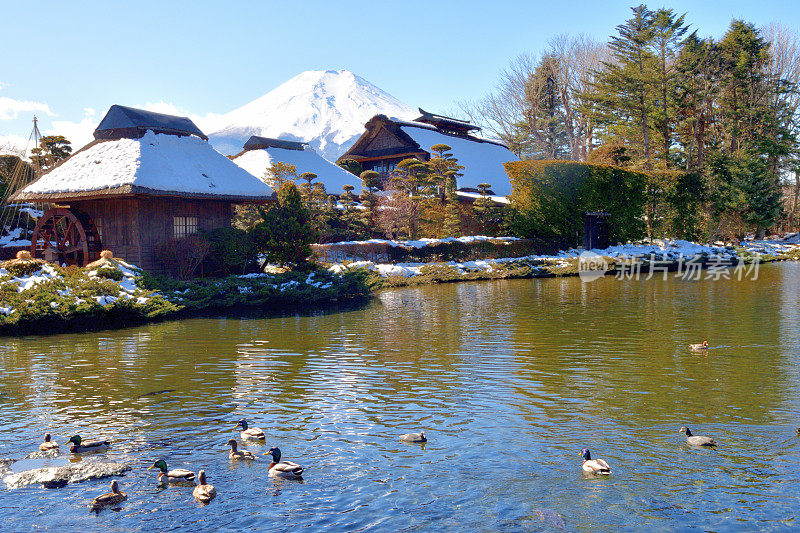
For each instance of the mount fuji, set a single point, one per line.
(327, 109)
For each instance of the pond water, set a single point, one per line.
(509, 379)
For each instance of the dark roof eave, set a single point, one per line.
(129, 191)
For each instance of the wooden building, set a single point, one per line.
(388, 141)
(146, 179)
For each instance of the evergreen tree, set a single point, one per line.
(352, 166)
(623, 90)
(285, 233)
(668, 32)
(51, 150)
(370, 183)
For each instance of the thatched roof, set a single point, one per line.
(483, 158)
(261, 153)
(257, 143)
(155, 164)
(128, 122)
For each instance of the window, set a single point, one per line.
(183, 226)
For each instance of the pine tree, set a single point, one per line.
(370, 183)
(623, 90)
(352, 166)
(668, 31)
(285, 233)
(51, 150)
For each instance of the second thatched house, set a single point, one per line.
(146, 179)
(388, 141)
(260, 153)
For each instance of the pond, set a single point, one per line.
(509, 379)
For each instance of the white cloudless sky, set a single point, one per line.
(68, 62)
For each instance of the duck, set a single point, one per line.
(703, 346)
(48, 445)
(203, 492)
(286, 470)
(239, 454)
(250, 433)
(109, 498)
(696, 440)
(414, 437)
(177, 475)
(78, 446)
(594, 466)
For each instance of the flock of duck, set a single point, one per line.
(203, 492)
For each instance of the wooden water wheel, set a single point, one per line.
(67, 237)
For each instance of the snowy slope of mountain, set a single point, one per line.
(327, 109)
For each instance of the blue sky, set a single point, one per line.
(65, 60)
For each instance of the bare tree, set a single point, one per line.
(785, 68)
(515, 109)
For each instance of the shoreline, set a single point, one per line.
(48, 299)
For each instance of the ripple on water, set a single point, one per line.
(509, 380)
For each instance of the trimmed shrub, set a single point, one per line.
(231, 251)
(550, 198)
(109, 273)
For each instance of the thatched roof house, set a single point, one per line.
(147, 178)
(260, 153)
(388, 141)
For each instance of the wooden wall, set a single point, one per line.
(132, 228)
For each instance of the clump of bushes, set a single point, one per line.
(23, 265)
(231, 251)
(111, 273)
(550, 198)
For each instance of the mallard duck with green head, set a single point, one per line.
(697, 440)
(79, 446)
(237, 455)
(109, 498)
(203, 492)
(249, 433)
(48, 445)
(594, 466)
(176, 475)
(286, 469)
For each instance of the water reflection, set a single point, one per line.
(509, 379)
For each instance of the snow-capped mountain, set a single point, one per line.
(327, 109)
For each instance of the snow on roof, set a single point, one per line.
(483, 160)
(333, 176)
(121, 121)
(155, 164)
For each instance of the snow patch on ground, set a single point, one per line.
(421, 243)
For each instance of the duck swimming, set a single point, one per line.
(414, 437)
(78, 446)
(699, 347)
(696, 440)
(176, 475)
(203, 492)
(594, 466)
(250, 433)
(48, 445)
(109, 498)
(236, 455)
(286, 470)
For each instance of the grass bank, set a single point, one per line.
(41, 298)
